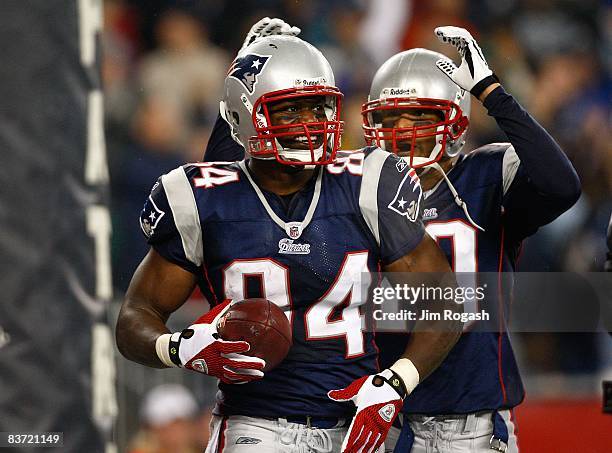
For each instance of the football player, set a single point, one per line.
(479, 206)
(305, 227)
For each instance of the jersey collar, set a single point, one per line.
(292, 229)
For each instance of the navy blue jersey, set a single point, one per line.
(480, 372)
(308, 254)
(510, 191)
(510, 198)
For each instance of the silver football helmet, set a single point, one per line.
(275, 69)
(411, 80)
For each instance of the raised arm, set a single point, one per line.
(539, 181)
(221, 146)
(546, 166)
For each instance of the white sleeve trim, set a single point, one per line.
(185, 212)
(510, 165)
(368, 194)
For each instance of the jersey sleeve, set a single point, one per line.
(170, 221)
(526, 208)
(543, 182)
(390, 202)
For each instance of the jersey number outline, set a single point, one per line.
(352, 163)
(344, 295)
(464, 248)
(211, 176)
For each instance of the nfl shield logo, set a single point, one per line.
(401, 165)
(293, 229)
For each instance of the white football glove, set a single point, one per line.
(473, 74)
(268, 27)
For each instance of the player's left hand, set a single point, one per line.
(268, 27)
(379, 398)
(473, 74)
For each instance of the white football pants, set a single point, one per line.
(464, 434)
(242, 434)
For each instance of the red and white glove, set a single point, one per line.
(379, 398)
(267, 27)
(200, 348)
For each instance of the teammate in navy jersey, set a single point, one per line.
(479, 206)
(299, 225)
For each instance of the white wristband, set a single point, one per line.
(405, 369)
(162, 348)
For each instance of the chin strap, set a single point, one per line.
(300, 155)
(456, 196)
(458, 199)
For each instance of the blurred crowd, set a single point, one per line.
(164, 63)
(171, 421)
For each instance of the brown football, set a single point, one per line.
(263, 325)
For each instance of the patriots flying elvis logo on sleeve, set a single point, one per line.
(246, 69)
(405, 203)
(151, 217)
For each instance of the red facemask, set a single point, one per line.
(327, 133)
(449, 129)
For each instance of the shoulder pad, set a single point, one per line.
(171, 213)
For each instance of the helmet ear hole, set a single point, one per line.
(235, 118)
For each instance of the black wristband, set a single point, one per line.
(398, 385)
(395, 381)
(484, 84)
(173, 349)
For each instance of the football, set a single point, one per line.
(263, 325)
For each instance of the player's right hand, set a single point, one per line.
(268, 27)
(200, 348)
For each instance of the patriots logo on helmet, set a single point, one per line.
(246, 69)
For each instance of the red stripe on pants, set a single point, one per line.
(221, 444)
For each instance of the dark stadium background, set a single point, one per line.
(161, 67)
(554, 56)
